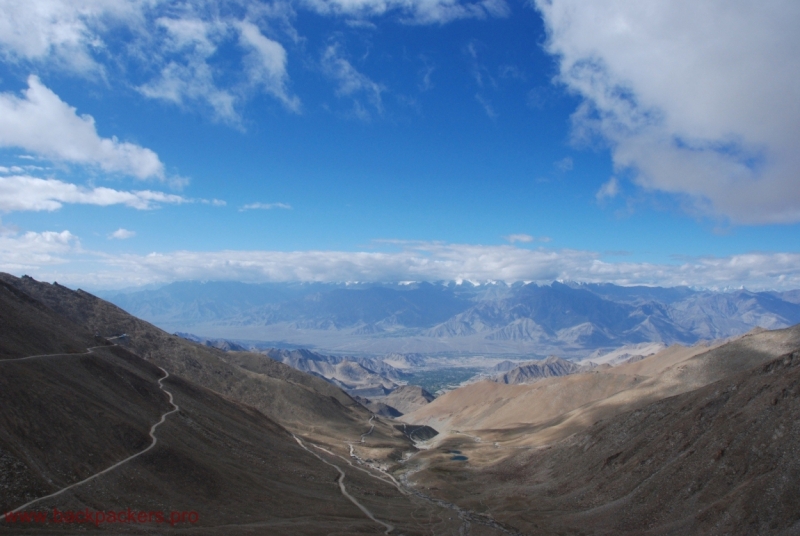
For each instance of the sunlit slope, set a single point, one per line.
(721, 459)
(553, 408)
(308, 404)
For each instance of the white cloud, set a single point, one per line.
(42, 123)
(178, 41)
(190, 77)
(525, 238)
(351, 82)
(65, 30)
(564, 165)
(266, 64)
(415, 261)
(697, 99)
(265, 206)
(487, 106)
(121, 234)
(32, 251)
(608, 190)
(414, 11)
(24, 193)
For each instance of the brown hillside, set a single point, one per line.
(28, 327)
(312, 407)
(554, 408)
(64, 418)
(722, 459)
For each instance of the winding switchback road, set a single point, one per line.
(119, 463)
(340, 480)
(467, 516)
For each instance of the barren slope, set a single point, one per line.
(66, 417)
(408, 398)
(722, 459)
(553, 408)
(18, 335)
(302, 408)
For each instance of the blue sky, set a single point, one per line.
(145, 142)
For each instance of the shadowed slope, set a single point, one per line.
(67, 417)
(303, 407)
(20, 313)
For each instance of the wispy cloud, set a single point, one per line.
(351, 82)
(697, 99)
(564, 165)
(266, 64)
(265, 206)
(25, 193)
(608, 190)
(414, 11)
(179, 42)
(121, 234)
(526, 238)
(40, 122)
(487, 106)
(187, 76)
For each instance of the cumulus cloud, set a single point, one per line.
(178, 41)
(42, 123)
(24, 193)
(31, 251)
(121, 234)
(265, 206)
(66, 30)
(697, 99)
(414, 11)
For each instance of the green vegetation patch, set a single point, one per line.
(444, 379)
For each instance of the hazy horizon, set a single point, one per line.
(150, 142)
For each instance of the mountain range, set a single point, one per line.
(101, 411)
(569, 319)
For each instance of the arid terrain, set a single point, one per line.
(688, 441)
(101, 411)
(251, 450)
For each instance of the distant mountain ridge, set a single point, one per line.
(433, 317)
(536, 370)
(352, 374)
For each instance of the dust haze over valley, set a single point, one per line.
(400, 267)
